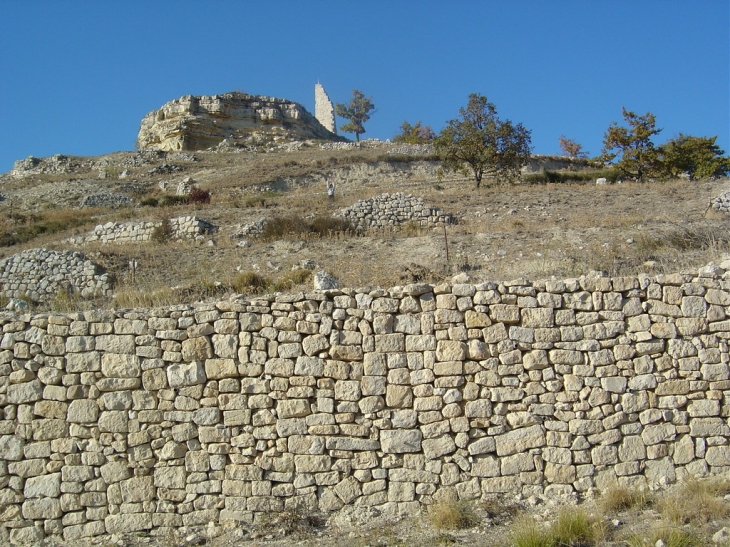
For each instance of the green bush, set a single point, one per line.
(173, 200)
(149, 202)
(555, 177)
(292, 225)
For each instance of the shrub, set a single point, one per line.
(173, 200)
(149, 202)
(250, 282)
(198, 196)
(162, 233)
(292, 225)
(451, 515)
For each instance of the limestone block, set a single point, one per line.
(347, 390)
(43, 508)
(26, 392)
(113, 343)
(45, 430)
(400, 441)
(370, 405)
(43, 486)
(126, 523)
(517, 463)
(186, 374)
(312, 464)
(349, 353)
(216, 369)
(314, 344)
(137, 489)
(197, 349)
(118, 365)
(11, 448)
(114, 421)
(476, 320)
(654, 434)
(451, 350)
(293, 408)
(520, 440)
(348, 489)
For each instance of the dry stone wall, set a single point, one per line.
(40, 274)
(187, 227)
(387, 210)
(152, 420)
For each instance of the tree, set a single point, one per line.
(571, 148)
(638, 155)
(698, 157)
(480, 143)
(415, 134)
(358, 112)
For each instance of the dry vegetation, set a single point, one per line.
(526, 230)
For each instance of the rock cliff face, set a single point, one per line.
(196, 123)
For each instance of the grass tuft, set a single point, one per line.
(668, 536)
(619, 498)
(451, 515)
(696, 501)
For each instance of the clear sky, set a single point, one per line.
(78, 76)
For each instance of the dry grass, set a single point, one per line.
(572, 527)
(620, 498)
(451, 515)
(669, 536)
(696, 501)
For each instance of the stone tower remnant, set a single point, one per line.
(324, 110)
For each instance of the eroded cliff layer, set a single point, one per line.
(196, 123)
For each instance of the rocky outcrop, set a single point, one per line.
(196, 123)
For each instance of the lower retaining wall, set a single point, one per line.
(150, 420)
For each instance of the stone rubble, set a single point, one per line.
(39, 275)
(149, 420)
(387, 210)
(721, 203)
(106, 199)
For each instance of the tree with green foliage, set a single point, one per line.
(571, 148)
(479, 143)
(638, 157)
(415, 134)
(357, 112)
(696, 157)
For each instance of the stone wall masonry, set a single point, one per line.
(186, 227)
(130, 421)
(40, 274)
(387, 210)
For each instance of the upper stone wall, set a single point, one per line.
(196, 123)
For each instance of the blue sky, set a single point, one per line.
(78, 76)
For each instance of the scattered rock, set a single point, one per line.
(324, 281)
